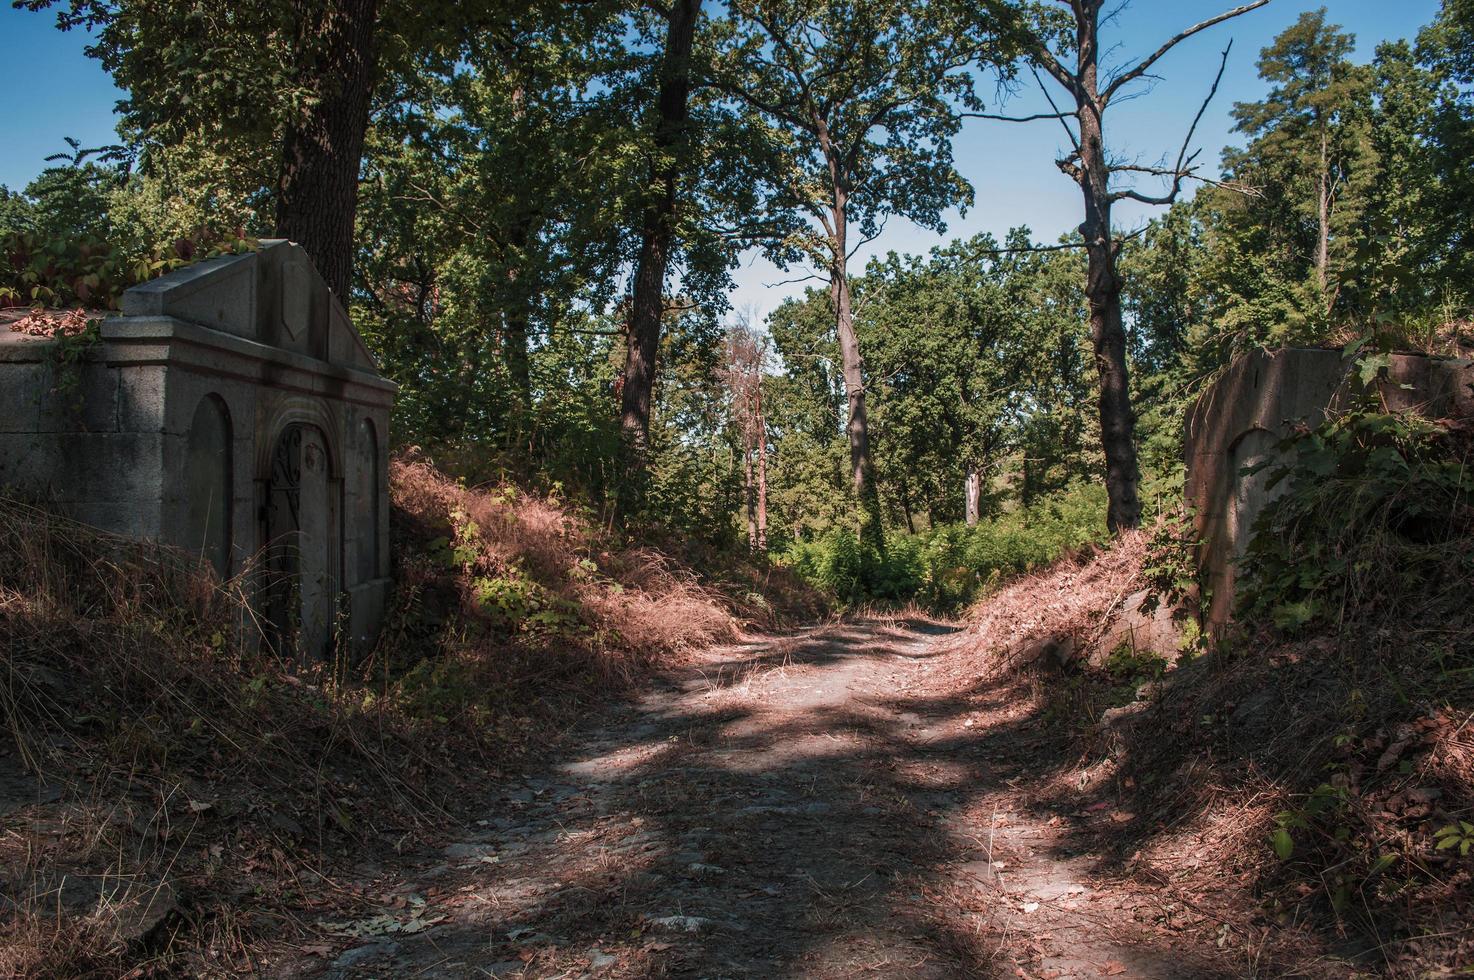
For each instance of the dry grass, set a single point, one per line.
(185, 762)
(1070, 601)
(1378, 710)
(1452, 337)
(195, 776)
(537, 581)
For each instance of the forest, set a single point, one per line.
(604, 464)
(550, 205)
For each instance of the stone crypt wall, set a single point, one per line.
(1241, 418)
(231, 411)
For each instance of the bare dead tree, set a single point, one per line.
(742, 373)
(1075, 66)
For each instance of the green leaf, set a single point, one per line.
(1293, 615)
(1370, 367)
(1283, 843)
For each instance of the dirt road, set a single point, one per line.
(831, 804)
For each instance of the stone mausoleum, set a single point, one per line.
(231, 411)
(1237, 425)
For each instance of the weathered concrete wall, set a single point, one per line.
(173, 428)
(1239, 420)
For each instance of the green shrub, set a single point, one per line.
(37, 270)
(951, 565)
(1376, 516)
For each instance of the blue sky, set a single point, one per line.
(52, 90)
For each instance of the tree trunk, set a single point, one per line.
(317, 186)
(750, 497)
(657, 228)
(974, 495)
(519, 361)
(761, 430)
(857, 430)
(515, 321)
(519, 297)
(1103, 296)
(1108, 337)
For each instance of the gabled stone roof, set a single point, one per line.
(273, 296)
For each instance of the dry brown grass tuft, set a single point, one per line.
(626, 607)
(166, 783)
(1072, 599)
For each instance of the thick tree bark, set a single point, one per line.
(657, 227)
(857, 429)
(515, 325)
(317, 186)
(1323, 209)
(518, 315)
(1103, 293)
(1090, 168)
(519, 362)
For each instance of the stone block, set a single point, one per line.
(34, 399)
(217, 293)
(134, 518)
(141, 391)
(82, 466)
(23, 390)
(81, 398)
(368, 603)
(1157, 631)
(111, 466)
(28, 463)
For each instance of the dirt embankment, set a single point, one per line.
(174, 799)
(1305, 797)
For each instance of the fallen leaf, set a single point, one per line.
(1113, 968)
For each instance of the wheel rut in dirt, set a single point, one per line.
(818, 805)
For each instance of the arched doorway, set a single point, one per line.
(209, 485)
(301, 535)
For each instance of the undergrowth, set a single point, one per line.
(512, 606)
(198, 783)
(947, 567)
(72, 271)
